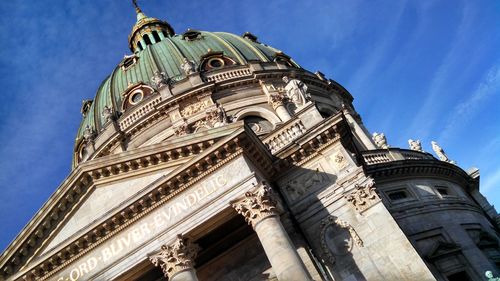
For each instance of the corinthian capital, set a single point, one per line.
(276, 100)
(257, 205)
(176, 257)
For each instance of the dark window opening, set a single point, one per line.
(146, 39)
(443, 190)
(139, 45)
(128, 62)
(459, 276)
(156, 36)
(164, 33)
(398, 195)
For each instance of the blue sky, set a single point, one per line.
(426, 70)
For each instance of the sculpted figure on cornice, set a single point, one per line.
(188, 66)
(296, 91)
(177, 257)
(415, 145)
(107, 114)
(257, 205)
(380, 140)
(440, 153)
(363, 196)
(159, 79)
(88, 134)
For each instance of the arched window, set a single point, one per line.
(156, 36)
(139, 45)
(146, 39)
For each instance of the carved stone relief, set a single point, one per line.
(339, 160)
(194, 106)
(363, 196)
(337, 238)
(304, 183)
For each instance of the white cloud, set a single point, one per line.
(466, 109)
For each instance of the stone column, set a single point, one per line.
(177, 260)
(259, 210)
(277, 101)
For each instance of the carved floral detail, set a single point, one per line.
(257, 205)
(363, 196)
(177, 257)
(337, 224)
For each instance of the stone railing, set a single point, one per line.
(378, 156)
(284, 135)
(137, 113)
(226, 75)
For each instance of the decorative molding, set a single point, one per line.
(336, 223)
(176, 257)
(307, 181)
(364, 196)
(257, 205)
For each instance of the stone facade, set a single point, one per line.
(234, 173)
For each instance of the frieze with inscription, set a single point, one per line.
(147, 228)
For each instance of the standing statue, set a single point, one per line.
(415, 145)
(107, 114)
(159, 79)
(440, 153)
(188, 66)
(490, 276)
(217, 117)
(88, 134)
(296, 91)
(380, 140)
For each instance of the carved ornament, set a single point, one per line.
(363, 196)
(338, 225)
(177, 257)
(296, 188)
(276, 100)
(257, 205)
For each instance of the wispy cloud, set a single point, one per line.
(464, 111)
(491, 181)
(424, 119)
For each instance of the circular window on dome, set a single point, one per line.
(216, 62)
(136, 97)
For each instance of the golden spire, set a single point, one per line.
(137, 9)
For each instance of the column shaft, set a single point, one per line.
(186, 275)
(280, 251)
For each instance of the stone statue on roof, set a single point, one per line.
(159, 79)
(415, 145)
(380, 140)
(188, 66)
(296, 91)
(440, 153)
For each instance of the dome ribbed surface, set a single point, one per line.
(166, 56)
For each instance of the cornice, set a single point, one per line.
(401, 169)
(28, 242)
(238, 141)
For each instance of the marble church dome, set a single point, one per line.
(157, 48)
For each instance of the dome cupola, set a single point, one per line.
(147, 31)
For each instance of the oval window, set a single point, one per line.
(216, 62)
(136, 97)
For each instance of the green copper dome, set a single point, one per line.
(165, 51)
